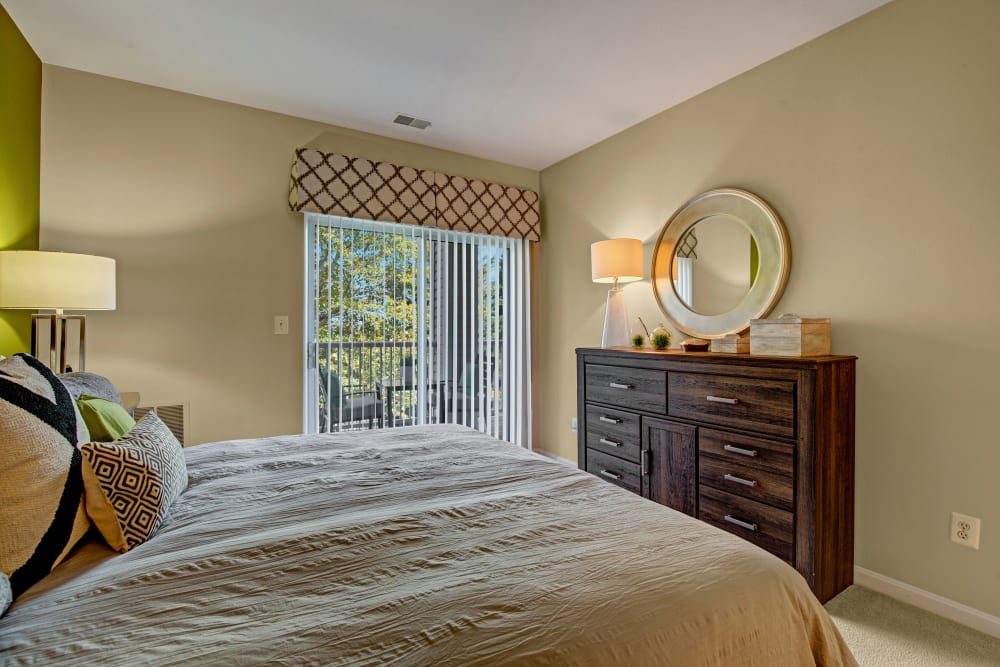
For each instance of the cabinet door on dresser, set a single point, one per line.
(670, 455)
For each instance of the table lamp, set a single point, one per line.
(56, 281)
(614, 261)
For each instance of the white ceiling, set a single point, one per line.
(527, 82)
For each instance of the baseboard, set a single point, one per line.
(936, 604)
(555, 457)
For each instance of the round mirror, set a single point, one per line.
(717, 270)
(720, 261)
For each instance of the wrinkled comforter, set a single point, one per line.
(429, 545)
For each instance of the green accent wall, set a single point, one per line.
(20, 144)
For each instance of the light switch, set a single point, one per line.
(281, 324)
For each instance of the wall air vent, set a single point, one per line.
(410, 121)
(174, 415)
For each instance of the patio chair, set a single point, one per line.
(347, 408)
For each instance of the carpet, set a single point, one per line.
(883, 631)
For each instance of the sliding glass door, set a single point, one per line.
(412, 325)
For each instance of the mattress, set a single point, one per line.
(430, 545)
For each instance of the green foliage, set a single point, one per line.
(365, 285)
(368, 294)
(661, 341)
(638, 341)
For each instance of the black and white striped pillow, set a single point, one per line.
(41, 488)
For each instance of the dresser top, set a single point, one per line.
(678, 355)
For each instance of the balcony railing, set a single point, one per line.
(385, 390)
(363, 364)
(366, 369)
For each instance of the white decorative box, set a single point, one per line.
(790, 336)
(731, 344)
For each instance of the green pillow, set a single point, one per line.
(106, 420)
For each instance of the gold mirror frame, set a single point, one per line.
(774, 263)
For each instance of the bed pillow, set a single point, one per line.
(41, 487)
(82, 382)
(6, 595)
(105, 420)
(130, 483)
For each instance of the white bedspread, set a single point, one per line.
(417, 546)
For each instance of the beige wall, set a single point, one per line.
(721, 273)
(879, 144)
(188, 194)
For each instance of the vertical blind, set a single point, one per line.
(416, 325)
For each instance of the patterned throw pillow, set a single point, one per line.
(130, 483)
(41, 488)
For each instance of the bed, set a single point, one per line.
(428, 545)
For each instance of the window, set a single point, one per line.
(415, 325)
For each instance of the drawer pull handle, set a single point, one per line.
(612, 475)
(743, 524)
(739, 480)
(610, 420)
(740, 450)
(613, 443)
(720, 399)
(619, 385)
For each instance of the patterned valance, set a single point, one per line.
(359, 188)
(686, 248)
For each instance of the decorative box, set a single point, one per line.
(731, 344)
(790, 336)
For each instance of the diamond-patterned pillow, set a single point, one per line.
(130, 483)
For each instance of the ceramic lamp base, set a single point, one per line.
(616, 333)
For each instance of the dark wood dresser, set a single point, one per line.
(762, 447)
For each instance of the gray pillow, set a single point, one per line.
(92, 384)
(6, 596)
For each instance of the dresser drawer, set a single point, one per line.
(631, 388)
(746, 480)
(613, 432)
(767, 527)
(615, 470)
(777, 457)
(757, 468)
(764, 406)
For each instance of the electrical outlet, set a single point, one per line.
(281, 324)
(965, 530)
(572, 424)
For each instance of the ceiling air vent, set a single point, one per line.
(410, 121)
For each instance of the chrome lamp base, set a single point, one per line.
(58, 337)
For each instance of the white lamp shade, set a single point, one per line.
(40, 280)
(616, 258)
